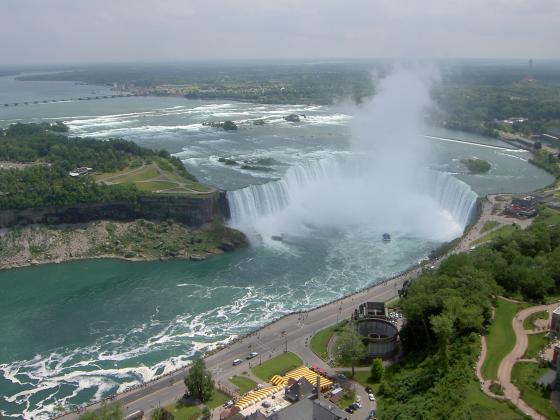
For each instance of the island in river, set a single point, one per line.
(67, 198)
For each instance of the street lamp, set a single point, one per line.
(285, 335)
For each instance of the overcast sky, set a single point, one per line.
(55, 31)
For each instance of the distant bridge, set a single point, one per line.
(474, 143)
(82, 98)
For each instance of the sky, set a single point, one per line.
(73, 31)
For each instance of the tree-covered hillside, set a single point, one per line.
(49, 155)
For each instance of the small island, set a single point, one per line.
(476, 166)
(226, 125)
(292, 118)
(64, 198)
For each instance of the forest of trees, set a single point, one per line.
(446, 309)
(46, 183)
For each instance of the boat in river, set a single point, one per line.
(386, 237)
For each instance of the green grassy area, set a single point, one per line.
(362, 377)
(320, 341)
(504, 232)
(184, 412)
(536, 343)
(218, 399)
(528, 323)
(490, 224)
(549, 216)
(523, 376)
(278, 365)
(392, 303)
(348, 398)
(244, 383)
(483, 407)
(152, 177)
(500, 338)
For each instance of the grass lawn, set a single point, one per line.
(500, 338)
(392, 303)
(523, 375)
(184, 412)
(348, 398)
(218, 399)
(278, 365)
(536, 342)
(483, 407)
(504, 231)
(549, 216)
(490, 224)
(528, 323)
(244, 383)
(153, 177)
(362, 377)
(320, 341)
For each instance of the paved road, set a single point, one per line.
(292, 333)
(521, 341)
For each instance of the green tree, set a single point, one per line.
(377, 370)
(106, 412)
(349, 347)
(199, 381)
(160, 414)
(206, 412)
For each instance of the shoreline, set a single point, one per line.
(135, 241)
(390, 285)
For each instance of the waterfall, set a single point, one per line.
(453, 195)
(330, 192)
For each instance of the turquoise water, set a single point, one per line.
(77, 331)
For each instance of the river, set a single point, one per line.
(77, 331)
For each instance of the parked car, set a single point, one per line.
(252, 355)
(371, 415)
(349, 409)
(371, 397)
(237, 362)
(356, 406)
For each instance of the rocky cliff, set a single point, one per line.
(191, 211)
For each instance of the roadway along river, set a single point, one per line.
(83, 330)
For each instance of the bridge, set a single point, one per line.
(82, 98)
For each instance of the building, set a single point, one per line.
(555, 323)
(522, 205)
(79, 171)
(307, 404)
(379, 334)
(371, 310)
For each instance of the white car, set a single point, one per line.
(252, 355)
(371, 397)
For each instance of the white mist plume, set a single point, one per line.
(383, 186)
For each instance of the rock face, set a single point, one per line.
(191, 211)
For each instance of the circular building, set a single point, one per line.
(380, 335)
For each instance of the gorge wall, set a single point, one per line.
(191, 211)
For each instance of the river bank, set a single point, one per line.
(139, 240)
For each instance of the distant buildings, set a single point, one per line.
(79, 171)
(555, 323)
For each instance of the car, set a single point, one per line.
(371, 414)
(355, 406)
(252, 355)
(358, 398)
(341, 376)
(349, 409)
(371, 397)
(369, 390)
(237, 362)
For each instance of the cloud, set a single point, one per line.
(37, 31)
